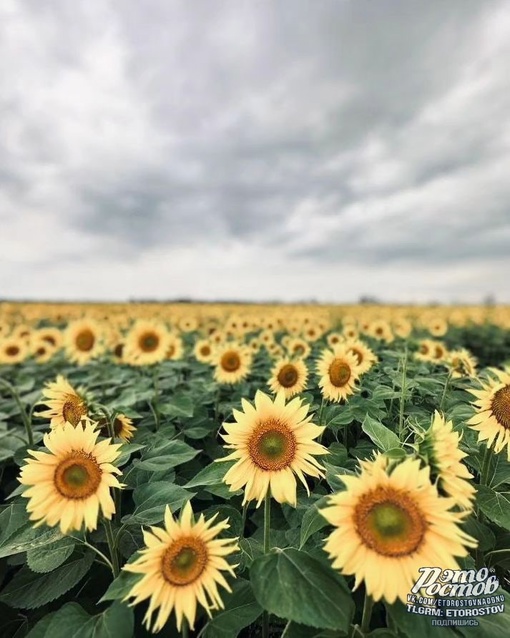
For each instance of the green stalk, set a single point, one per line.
(402, 396)
(24, 416)
(112, 547)
(367, 614)
(267, 547)
(447, 383)
(185, 628)
(486, 462)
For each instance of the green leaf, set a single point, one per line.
(241, 609)
(46, 559)
(29, 537)
(312, 522)
(28, 590)
(72, 621)
(494, 505)
(152, 498)
(416, 625)
(493, 625)
(301, 631)
(382, 436)
(11, 519)
(175, 453)
(181, 406)
(293, 585)
(122, 585)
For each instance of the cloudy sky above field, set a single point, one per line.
(250, 150)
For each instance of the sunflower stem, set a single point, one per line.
(267, 547)
(24, 416)
(112, 547)
(321, 409)
(367, 614)
(486, 462)
(445, 390)
(402, 395)
(154, 403)
(185, 628)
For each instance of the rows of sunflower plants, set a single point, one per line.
(294, 473)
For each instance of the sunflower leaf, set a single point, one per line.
(494, 505)
(382, 436)
(241, 609)
(293, 585)
(48, 557)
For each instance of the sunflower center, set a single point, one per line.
(73, 410)
(148, 342)
(424, 349)
(171, 350)
(339, 373)
(205, 351)
(184, 561)
(118, 350)
(230, 361)
(272, 445)
(501, 406)
(85, 340)
(299, 349)
(78, 476)
(49, 339)
(288, 376)
(389, 522)
(12, 351)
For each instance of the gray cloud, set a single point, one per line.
(275, 143)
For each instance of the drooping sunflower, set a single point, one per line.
(68, 485)
(492, 418)
(146, 343)
(182, 566)
(461, 363)
(272, 441)
(338, 370)
(288, 376)
(123, 427)
(83, 340)
(365, 357)
(440, 446)
(66, 405)
(390, 524)
(232, 363)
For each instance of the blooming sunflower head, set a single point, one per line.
(389, 524)
(492, 404)
(338, 370)
(289, 377)
(232, 363)
(272, 441)
(69, 484)
(181, 567)
(83, 340)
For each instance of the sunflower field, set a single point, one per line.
(217, 471)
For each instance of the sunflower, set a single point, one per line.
(232, 363)
(381, 330)
(401, 327)
(175, 348)
(425, 350)
(123, 427)
(492, 418)
(350, 331)
(289, 377)
(334, 339)
(441, 448)
(389, 525)
(83, 340)
(53, 336)
(182, 565)
(68, 485)
(146, 343)
(461, 363)
(203, 351)
(13, 350)
(298, 347)
(41, 350)
(272, 441)
(65, 404)
(365, 357)
(338, 370)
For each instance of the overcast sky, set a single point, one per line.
(257, 149)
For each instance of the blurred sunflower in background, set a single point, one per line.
(365, 357)
(83, 340)
(181, 567)
(175, 349)
(70, 484)
(461, 363)
(338, 371)
(232, 363)
(203, 351)
(288, 376)
(13, 350)
(123, 427)
(146, 343)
